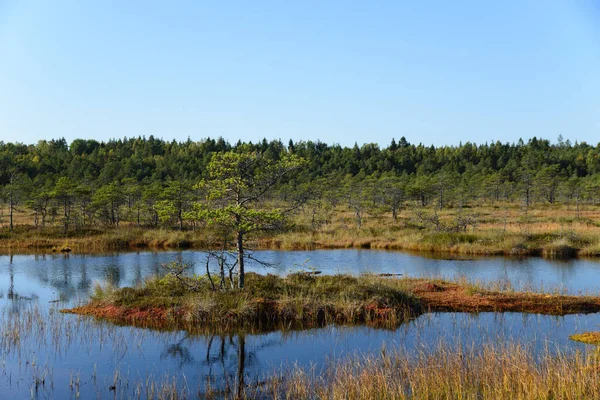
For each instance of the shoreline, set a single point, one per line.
(98, 244)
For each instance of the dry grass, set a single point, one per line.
(463, 296)
(587, 337)
(28, 239)
(493, 371)
(556, 231)
(502, 229)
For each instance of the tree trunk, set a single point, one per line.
(358, 218)
(222, 285)
(240, 251)
(66, 217)
(241, 366)
(212, 284)
(11, 209)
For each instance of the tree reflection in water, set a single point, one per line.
(16, 300)
(230, 362)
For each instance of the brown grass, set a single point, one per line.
(502, 229)
(493, 371)
(440, 295)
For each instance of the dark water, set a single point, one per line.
(79, 356)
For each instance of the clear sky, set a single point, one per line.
(438, 72)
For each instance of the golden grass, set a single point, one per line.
(490, 371)
(587, 337)
(503, 229)
(27, 239)
(554, 231)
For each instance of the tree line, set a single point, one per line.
(152, 182)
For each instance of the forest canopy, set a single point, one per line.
(152, 182)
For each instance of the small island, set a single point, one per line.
(303, 300)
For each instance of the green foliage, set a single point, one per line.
(148, 181)
(107, 201)
(236, 191)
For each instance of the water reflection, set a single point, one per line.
(68, 346)
(178, 351)
(228, 362)
(15, 299)
(70, 277)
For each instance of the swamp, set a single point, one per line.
(46, 353)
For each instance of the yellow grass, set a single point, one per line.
(504, 371)
(587, 337)
(503, 229)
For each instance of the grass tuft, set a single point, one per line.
(587, 337)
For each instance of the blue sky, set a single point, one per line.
(437, 72)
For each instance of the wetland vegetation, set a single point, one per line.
(463, 364)
(46, 354)
(300, 200)
(493, 371)
(298, 301)
(523, 199)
